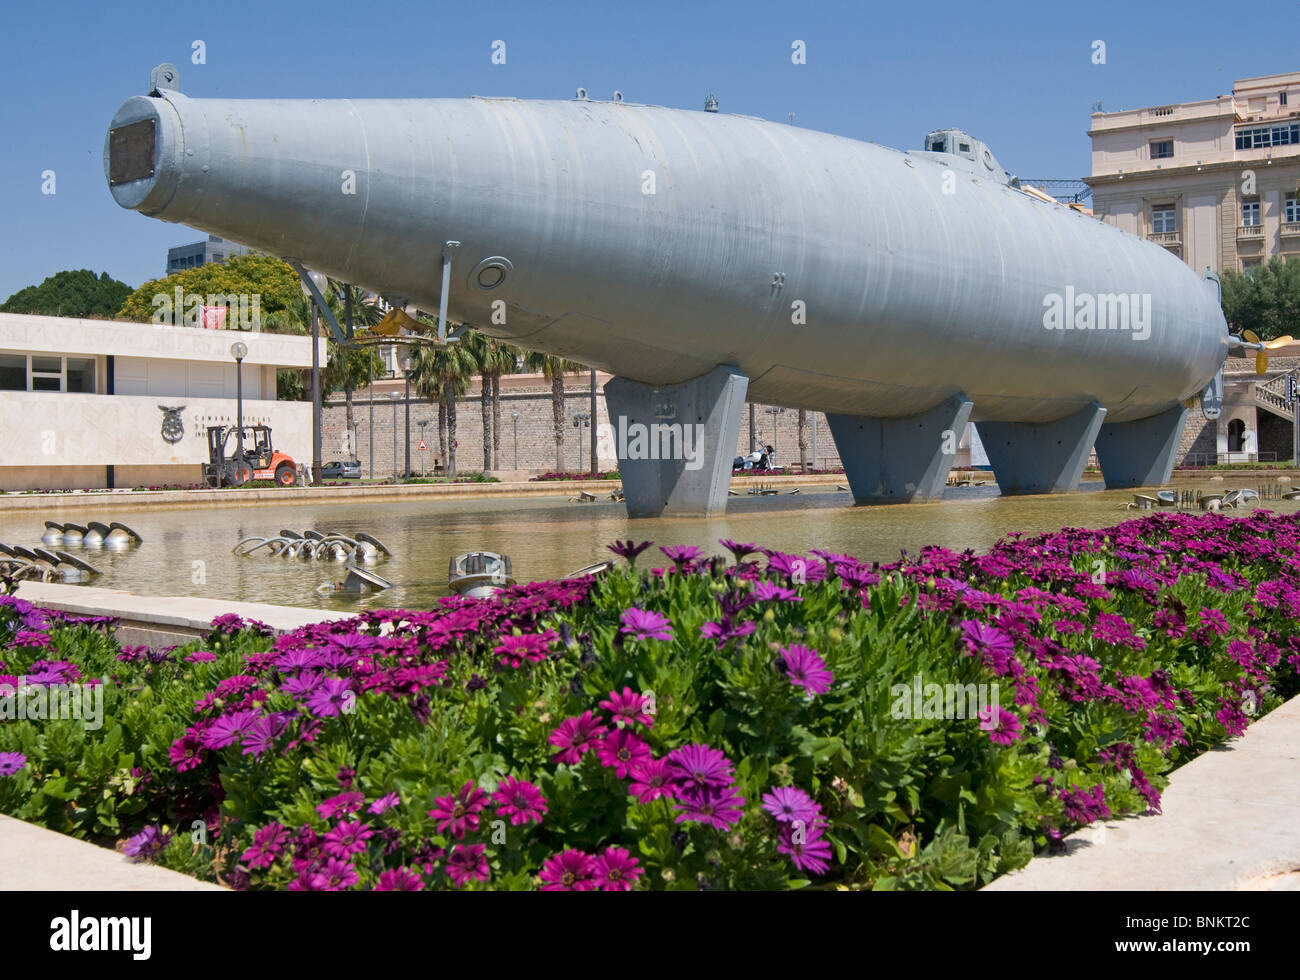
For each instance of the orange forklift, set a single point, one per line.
(261, 460)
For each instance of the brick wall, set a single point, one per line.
(530, 398)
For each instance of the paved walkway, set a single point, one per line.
(1230, 821)
(35, 859)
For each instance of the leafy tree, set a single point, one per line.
(264, 276)
(1265, 300)
(492, 358)
(76, 292)
(442, 374)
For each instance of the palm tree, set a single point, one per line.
(442, 374)
(555, 368)
(803, 441)
(479, 348)
(506, 362)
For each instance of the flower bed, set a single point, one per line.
(768, 721)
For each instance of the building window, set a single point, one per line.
(1163, 221)
(1162, 149)
(47, 372)
(1260, 136)
(1293, 209)
(1250, 213)
(1250, 266)
(1281, 98)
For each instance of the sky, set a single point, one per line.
(1022, 78)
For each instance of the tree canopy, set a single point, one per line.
(262, 275)
(74, 292)
(1265, 300)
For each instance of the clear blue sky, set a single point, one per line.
(1018, 76)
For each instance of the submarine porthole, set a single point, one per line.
(490, 273)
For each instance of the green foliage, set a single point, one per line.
(76, 293)
(262, 275)
(1266, 300)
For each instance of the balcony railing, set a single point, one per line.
(1166, 237)
(1290, 228)
(1250, 231)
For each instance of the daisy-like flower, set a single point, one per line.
(11, 762)
(201, 657)
(347, 839)
(651, 779)
(514, 650)
(787, 804)
(1002, 726)
(771, 592)
(621, 750)
(147, 843)
(616, 870)
(739, 551)
(628, 708)
(682, 554)
(339, 875)
(806, 669)
(576, 736)
(467, 863)
(699, 765)
(187, 751)
(568, 871)
(334, 697)
(643, 625)
(268, 843)
(629, 549)
(459, 813)
(399, 880)
(520, 801)
(342, 804)
(804, 845)
(384, 804)
(716, 806)
(228, 729)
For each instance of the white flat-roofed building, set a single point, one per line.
(80, 399)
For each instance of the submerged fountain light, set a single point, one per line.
(479, 574)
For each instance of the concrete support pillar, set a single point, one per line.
(675, 443)
(1140, 453)
(1041, 457)
(896, 460)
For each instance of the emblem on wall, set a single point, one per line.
(173, 426)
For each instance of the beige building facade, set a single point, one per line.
(1216, 182)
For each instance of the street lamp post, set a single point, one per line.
(774, 412)
(514, 417)
(580, 420)
(239, 351)
(406, 376)
(394, 396)
(422, 423)
(321, 284)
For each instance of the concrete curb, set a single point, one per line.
(1229, 823)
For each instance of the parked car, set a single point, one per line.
(341, 469)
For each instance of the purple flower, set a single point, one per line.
(806, 669)
(1002, 726)
(629, 549)
(347, 839)
(771, 592)
(334, 697)
(146, 844)
(11, 762)
(621, 750)
(723, 632)
(738, 550)
(804, 845)
(260, 736)
(642, 625)
(568, 871)
(399, 880)
(342, 804)
(459, 812)
(629, 707)
(229, 729)
(716, 806)
(698, 765)
(787, 804)
(994, 645)
(467, 863)
(574, 737)
(187, 751)
(268, 843)
(384, 804)
(519, 800)
(682, 554)
(616, 870)
(338, 875)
